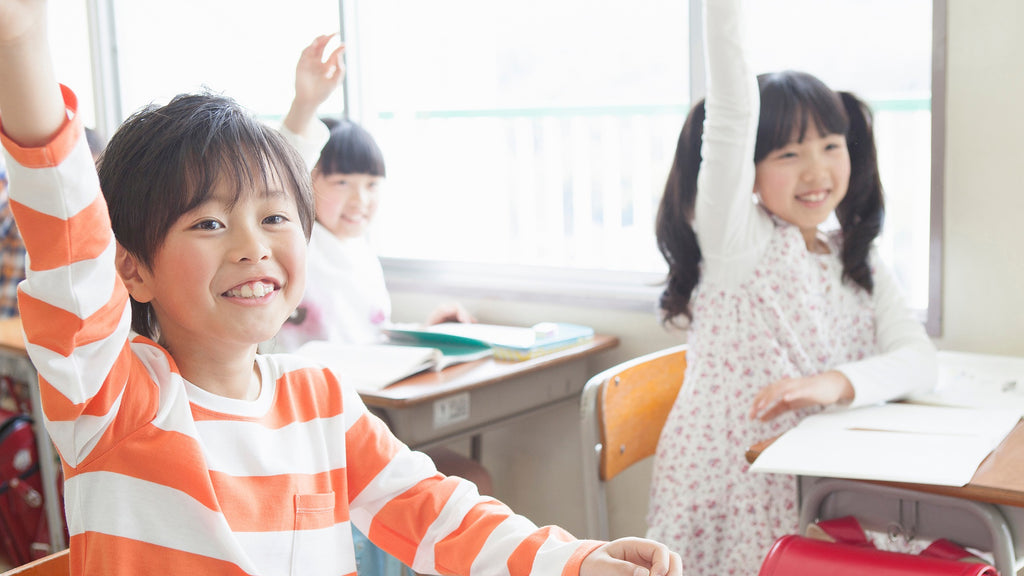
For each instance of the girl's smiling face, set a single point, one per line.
(346, 203)
(803, 181)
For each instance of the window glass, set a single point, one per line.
(531, 132)
(69, 42)
(246, 49)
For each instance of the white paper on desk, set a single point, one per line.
(892, 442)
(977, 381)
(371, 366)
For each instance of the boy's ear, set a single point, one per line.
(134, 274)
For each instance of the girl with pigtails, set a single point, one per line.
(784, 315)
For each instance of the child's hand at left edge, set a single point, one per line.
(18, 18)
(30, 99)
(632, 557)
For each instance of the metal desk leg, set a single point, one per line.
(48, 468)
(935, 516)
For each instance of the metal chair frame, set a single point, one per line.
(622, 412)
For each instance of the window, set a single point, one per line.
(528, 142)
(69, 41)
(536, 136)
(246, 49)
(523, 133)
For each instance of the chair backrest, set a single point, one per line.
(55, 564)
(622, 412)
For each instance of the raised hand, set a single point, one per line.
(31, 106)
(19, 18)
(317, 77)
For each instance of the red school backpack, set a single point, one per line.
(24, 534)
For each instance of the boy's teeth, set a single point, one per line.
(252, 290)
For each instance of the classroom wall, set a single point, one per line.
(536, 462)
(983, 300)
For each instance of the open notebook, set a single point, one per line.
(935, 437)
(377, 366)
(897, 442)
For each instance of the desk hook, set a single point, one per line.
(903, 529)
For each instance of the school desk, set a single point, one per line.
(465, 400)
(425, 410)
(989, 508)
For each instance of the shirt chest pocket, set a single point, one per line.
(314, 535)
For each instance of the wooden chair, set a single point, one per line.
(55, 564)
(622, 412)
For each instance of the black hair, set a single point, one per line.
(166, 160)
(330, 121)
(351, 150)
(791, 102)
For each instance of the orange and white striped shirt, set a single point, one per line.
(163, 477)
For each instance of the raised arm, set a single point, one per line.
(31, 107)
(316, 78)
(730, 228)
(74, 310)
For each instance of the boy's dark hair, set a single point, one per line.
(166, 160)
(788, 100)
(351, 150)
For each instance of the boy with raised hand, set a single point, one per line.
(184, 450)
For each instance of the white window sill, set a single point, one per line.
(637, 291)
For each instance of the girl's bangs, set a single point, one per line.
(791, 103)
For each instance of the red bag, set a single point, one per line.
(799, 556)
(24, 534)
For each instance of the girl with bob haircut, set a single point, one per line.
(784, 315)
(183, 449)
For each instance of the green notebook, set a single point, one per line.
(452, 345)
(507, 342)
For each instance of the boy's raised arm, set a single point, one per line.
(31, 107)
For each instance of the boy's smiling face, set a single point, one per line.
(229, 272)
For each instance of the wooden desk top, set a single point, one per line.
(429, 386)
(998, 480)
